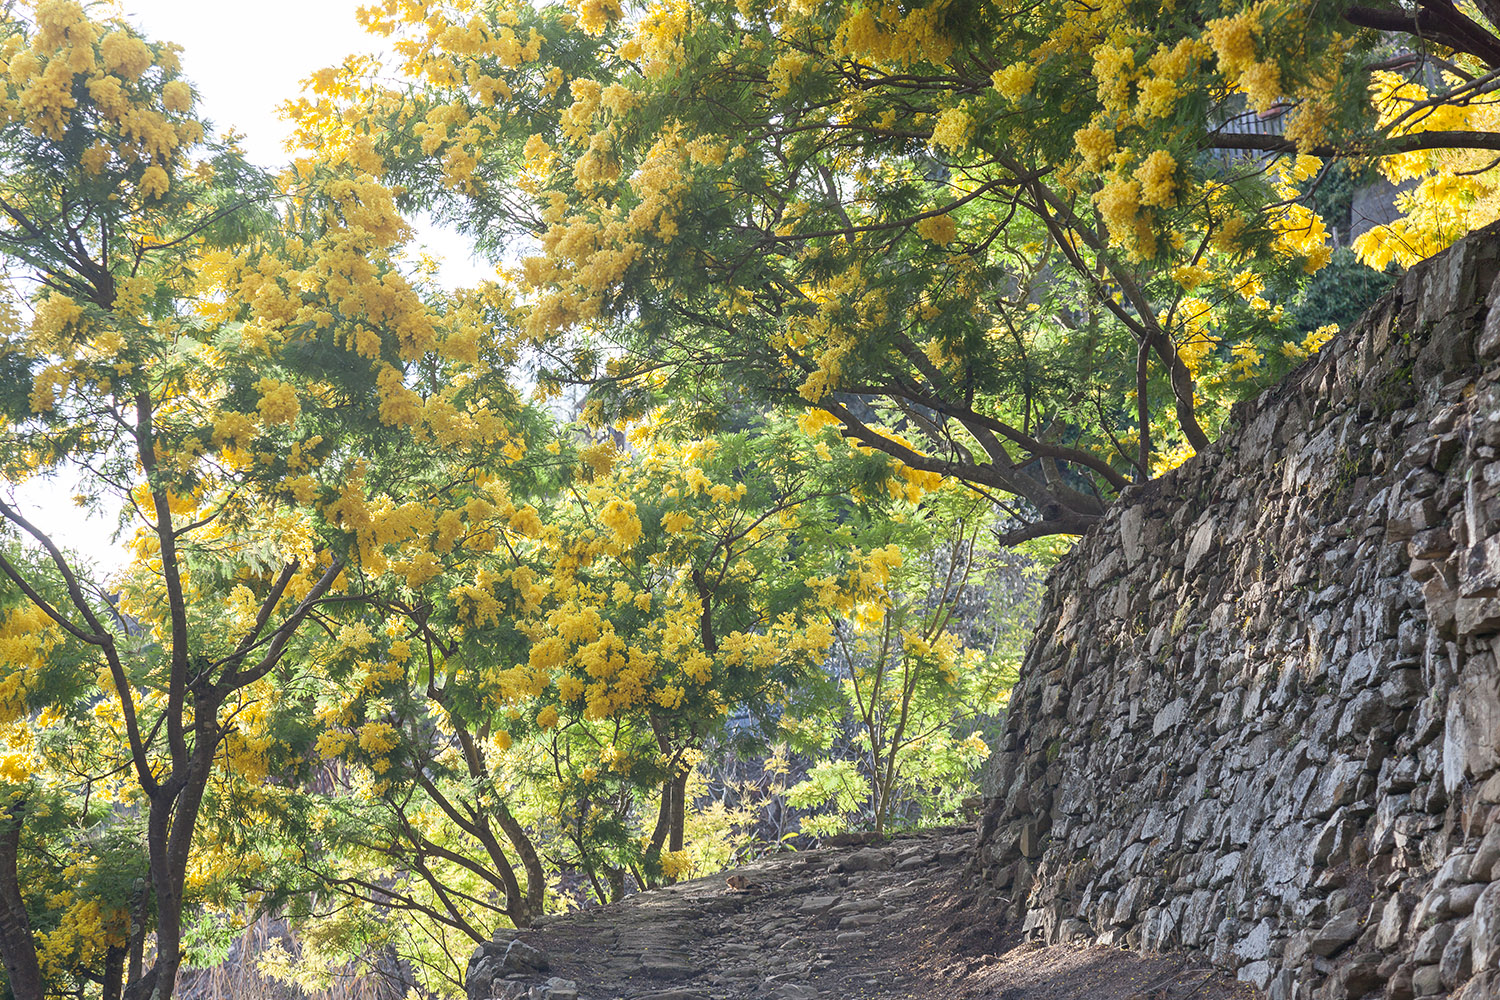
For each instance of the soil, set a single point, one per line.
(899, 920)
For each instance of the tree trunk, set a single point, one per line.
(536, 880)
(616, 883)
(663, 819)
(170, 827)
(139, 911)
(659, 832)
(17, 946)
(114, 973)
(678, 789)
(159, 983)
(143, 988)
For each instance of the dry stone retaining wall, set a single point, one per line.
(1261, 715)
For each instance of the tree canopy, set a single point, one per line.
(1035, 246)
(847, 296)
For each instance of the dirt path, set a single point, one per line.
(897, 921)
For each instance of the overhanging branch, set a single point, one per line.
(1411, 142)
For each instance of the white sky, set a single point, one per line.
(247, 59)
(244, 61)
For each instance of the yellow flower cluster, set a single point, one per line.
(136, 110)
(620, 518)
(85, 931)
(27, 638)
(785, 70)
(1301, 233)
(1456, 191)
(812, 421)
(1158, 179)
(952, 129)
(1015, 81)
(885, 36)
(1234, 41)
(1312, 343)
(676, 864)
(1119, 203)
(940, 229)
(596, 15)
(1095, 145)
(278, 402)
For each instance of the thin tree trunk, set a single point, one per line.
(678, 791)
(663, 818)
(523, 909)
(616, 883)
(143, 988)
(17, 946)
(138, 912)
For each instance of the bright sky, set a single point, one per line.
(244, 61)
(247, 59)
(245, 65)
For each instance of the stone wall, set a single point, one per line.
(1261, 715)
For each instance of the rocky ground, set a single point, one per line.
(893, 921)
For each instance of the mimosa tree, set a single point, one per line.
(243, 364)
(538, 713)
(1045, 243)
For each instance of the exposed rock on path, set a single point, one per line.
(881, 922)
